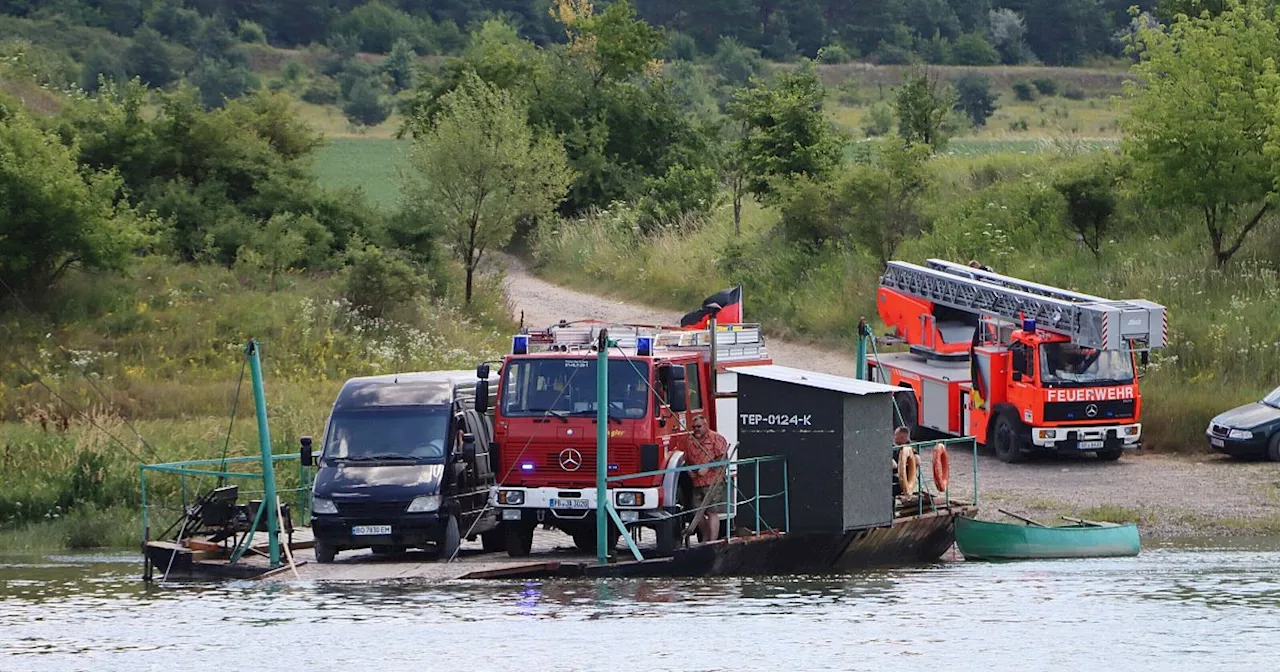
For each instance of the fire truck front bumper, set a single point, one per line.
(1107, 437)
(517, 503)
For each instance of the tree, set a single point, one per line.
(399, 66)
(974, 49)
(481, 167)
(364, 104)
(99, 66)
(149, 58)
(1198, 124)
(975, 98)
(881, 202)
(220, 80)
(922, 106)
(616, 42)
(787, 133)
(55, 217)
(1090, 193)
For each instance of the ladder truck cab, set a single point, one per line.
(545, 424)
(1022, 367)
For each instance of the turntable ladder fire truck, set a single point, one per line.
(545, 423)
(1020, 366)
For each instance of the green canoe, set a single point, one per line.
(986, 540)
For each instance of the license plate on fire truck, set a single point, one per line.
(570, 504)
(1088, 445)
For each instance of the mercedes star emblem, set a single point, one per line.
(1091, 410)
(571, 459)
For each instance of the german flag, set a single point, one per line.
(975, 372)
(730, 302)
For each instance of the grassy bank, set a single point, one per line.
(1224, 341)
(148, 368)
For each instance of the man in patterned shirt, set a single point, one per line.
(707, 447)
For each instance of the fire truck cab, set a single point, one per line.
(1020, 366)
(545, 424)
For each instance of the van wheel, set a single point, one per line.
(452, 539)
(1004, 441)
(1273, 448)
(494, 540)
(519, 539)
(325, 552)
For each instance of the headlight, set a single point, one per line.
(1132, 430)
(629, 499)
(1242, 434)
(511, 497)
(322, 505)
(1047, 433)
(424, 504)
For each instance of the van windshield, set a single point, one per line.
(1272, 399)
(537, 386)
(1070, 364)
(417, 434)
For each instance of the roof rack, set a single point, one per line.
(734, 342)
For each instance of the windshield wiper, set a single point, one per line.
(548, 411)
(608, 411)
(380, 457)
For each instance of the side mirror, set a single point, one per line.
(679, 397)
(469, 446)
(307, 459)
(482, 394)
(482, 371)
(1144, 357)
(677, 372)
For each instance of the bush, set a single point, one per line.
(975, 98)
(220, 80)
(680, 47)
(379, 281)
(251, 33)
(678, 198)
(973, 49)
(1074, 93)
(879, 120)
(364, 105)
(1047, 86)
(735, 62)
(892, 54)
(322, 91)
(1024, 91)
(833, 54)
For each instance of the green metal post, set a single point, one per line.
(860, 371)
(264, 443)
(142, 478)
(602, 447)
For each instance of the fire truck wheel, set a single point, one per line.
(1110, 455)
(494, 540)
(1004, 441)
(585, 540)
(519, 539)
(667, 532)
(909, 408)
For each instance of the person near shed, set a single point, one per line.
(901, 437)
(707, 447)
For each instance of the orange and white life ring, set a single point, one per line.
(908, 469)
(941, 467)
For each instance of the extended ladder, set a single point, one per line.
(1089, 321)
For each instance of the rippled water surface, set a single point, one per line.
(1214, 606)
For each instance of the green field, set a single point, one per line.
(370, 164)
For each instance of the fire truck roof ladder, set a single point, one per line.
(1089, 321)
(733, 341)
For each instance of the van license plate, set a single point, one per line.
(1218, 442)
(1087, 445)
(570, 504)
(370, 530)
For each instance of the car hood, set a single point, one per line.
(1248, 416)
(378, 481)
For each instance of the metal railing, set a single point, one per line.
(970, 445)
(194, 475)
(732, 493)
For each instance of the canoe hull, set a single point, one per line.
(986, 540)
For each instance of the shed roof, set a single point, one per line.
(822, 381)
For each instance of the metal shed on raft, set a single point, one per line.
(836, 436)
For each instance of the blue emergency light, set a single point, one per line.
(644, 346)
(1029, 326)
(520, 345)
(527, 466)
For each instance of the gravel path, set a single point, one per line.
(1169, 495)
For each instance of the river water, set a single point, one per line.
(1211, 605)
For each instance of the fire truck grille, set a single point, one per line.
(556, 463)
(1080, 411)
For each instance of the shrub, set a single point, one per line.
(1047, 86)
(735, 62)
(973, 49)
(1024, 91)
(364, 105)
(379, 281)
(251, 33)
(322, 91)
(680, 47)
(833, 54)
(1074, 93)
(975, 98)
(879, 120)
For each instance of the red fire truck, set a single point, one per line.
(545, 424)
(1020, 366)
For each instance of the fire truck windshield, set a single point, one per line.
(540, 385)
(406, 433)
(1070, 364)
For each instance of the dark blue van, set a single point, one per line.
(405, 463)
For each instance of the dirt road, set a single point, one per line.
(1169, 495)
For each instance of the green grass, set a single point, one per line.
(160, 353)
(369, 164)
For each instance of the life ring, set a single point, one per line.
(908, 469)
(941, 467)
